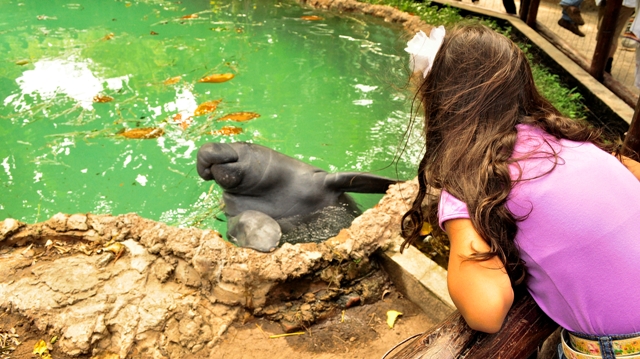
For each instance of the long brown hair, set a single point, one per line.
(479, 88)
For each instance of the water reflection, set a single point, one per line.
(71, 77)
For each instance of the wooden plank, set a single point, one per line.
(525, 328)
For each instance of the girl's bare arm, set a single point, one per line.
(481, 291)
(631, 165)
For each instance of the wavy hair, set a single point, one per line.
(479, 88)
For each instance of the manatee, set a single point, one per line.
(269, 196)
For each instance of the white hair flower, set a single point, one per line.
(423, 49)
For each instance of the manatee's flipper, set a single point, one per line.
(359, 182)
(253, 229)
(211, 154)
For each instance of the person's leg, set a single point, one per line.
(571, 11)
(509, 6)
(571, 17)
(560, 352)
(601, 9)
(623, 18)
(637, 82)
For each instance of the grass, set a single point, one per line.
(429, 13)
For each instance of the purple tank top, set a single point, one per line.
(580, 237)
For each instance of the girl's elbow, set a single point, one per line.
(489, 318)
(490, 326)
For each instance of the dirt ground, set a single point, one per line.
(358, 332)
(18, 337)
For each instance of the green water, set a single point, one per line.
(329, 92)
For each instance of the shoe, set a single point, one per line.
(571, 27)
(574, 14)
(630, 40)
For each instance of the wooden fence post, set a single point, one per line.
(631, 147)
(605, 38)
(524, 9)
(533, 13)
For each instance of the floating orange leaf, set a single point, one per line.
(143, 133)
(191, 16)
(217, 78)
(108, 37)
(240, 116)
(227, 131)
(102, 98)
(153, 33)
(206, 107)
(311, 18)
(172, 80)
(183, 123)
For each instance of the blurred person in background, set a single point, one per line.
(571, 17)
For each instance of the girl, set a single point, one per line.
(527, 197)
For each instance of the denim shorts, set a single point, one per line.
(606, 346)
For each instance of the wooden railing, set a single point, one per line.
(522, 333)
(604, 40)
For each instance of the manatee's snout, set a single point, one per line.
(216, 162)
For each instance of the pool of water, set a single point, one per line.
(330, 90)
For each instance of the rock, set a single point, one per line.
(28, 253)
(187, 275)
(309, 297)
(306, 315)
(289, 326)
(9, 226)
(58, 222)
(171, 331)
(104, 259)
(270, 310)
(162, 269)
(352, 301)
(77, 222)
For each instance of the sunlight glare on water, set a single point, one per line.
(329, 91)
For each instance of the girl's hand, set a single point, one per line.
(481, 291)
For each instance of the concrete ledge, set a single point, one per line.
(419, 278)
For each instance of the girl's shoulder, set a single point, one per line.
(537, 154)
(532, 139)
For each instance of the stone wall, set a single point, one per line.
(125, 284)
